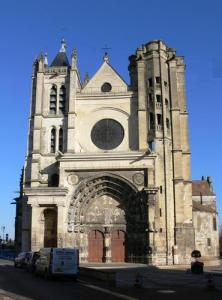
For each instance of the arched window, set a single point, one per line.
(53, 99)
(167, 123)
(62, 100)
(152, 121)
(61, 139)
(53, 140)
(159, 119)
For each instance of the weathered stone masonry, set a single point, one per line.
(108, 164)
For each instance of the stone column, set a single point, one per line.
(83, 246)
(150, 197)
(36, 234)
(107, 244)
(60, 226)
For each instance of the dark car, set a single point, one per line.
(20, 260)
(31, 260)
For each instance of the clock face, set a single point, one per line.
(107, 134)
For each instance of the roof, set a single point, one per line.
(205, 208)
(61, 60)
(201, 187)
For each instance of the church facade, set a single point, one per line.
(108, 163)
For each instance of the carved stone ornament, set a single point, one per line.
(70, 227)
(138, 178)
(73, 179)
(106, 200)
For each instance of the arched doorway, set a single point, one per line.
(95, 246)
(118, 246)
(105, 204)
(50, 230)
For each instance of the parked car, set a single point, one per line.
(31, 261)
(57, 262)
(20, 260)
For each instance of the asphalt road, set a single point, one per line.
(16, 283)
(19, 284)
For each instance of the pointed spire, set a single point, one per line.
(35, 66)
(106, 57)
(41, 62)
(86, 79)
(74, 53)
(63, 46)
(61, 59)
(74, 59)
(46, 59)
(41, 56)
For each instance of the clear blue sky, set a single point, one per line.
(28, 27)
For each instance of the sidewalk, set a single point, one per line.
(126, 275)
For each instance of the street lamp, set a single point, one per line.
(3, 234)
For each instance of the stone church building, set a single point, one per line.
(108, 163)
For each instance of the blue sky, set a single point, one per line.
(28, 27)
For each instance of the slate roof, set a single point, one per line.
(61, 60)
(201, 187)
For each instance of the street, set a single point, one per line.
(19, 284)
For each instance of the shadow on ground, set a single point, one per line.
(155, 284)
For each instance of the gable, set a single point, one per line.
(105, 74)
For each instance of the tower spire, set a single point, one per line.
(63, 46)
(46, 59)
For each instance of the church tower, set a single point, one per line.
(158, 75)
(108, 164)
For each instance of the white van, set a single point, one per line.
(57, 262)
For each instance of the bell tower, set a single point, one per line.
(52, 116)
(157, 75)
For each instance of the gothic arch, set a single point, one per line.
(113, 108)
(130, 199)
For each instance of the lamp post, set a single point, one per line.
(3, 234)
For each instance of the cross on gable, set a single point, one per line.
(106, 48)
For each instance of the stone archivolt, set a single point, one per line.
(131, 203)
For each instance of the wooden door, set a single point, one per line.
(118, 246)
(95, 246)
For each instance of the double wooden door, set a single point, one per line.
(118, 246)
(95, 246)
(96, 249)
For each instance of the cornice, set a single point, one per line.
(135, 156)
(45, 191)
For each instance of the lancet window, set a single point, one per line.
(53, 140)
(62, 100)
(53, 100)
